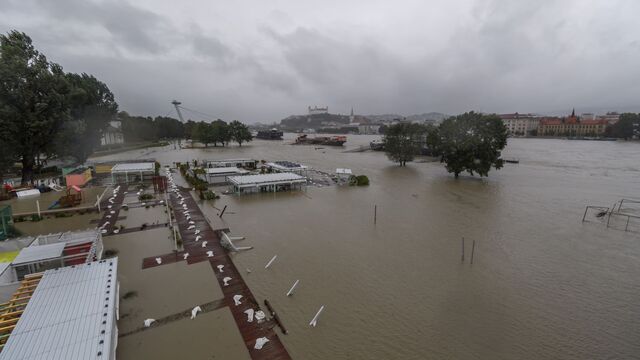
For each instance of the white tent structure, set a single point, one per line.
(266, 182)
(133, 172)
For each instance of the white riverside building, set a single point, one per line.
(71, 315)
(133, 172)
(220, 175)
(266, 183)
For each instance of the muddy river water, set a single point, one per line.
(543, 284)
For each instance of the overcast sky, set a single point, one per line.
(264, 60)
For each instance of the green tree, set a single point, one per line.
(239, 132)
(221, 133)
(92, 107)
(33, 100)
(204, 133)
(624, 128)
(402, 142)
(472, 142)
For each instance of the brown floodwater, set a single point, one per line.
(543, 284)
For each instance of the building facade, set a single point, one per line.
(520, 124)
(572, 126)
(318, 110)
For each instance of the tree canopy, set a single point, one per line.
(402, 142)
(471, 142)
(34, 100)
(239, 132)
(627, 126)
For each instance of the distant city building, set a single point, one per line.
(571, 126)
(318, 110)
(520, 124)
(368, 129)
(352, 117)
(112, 134)
(610, 117)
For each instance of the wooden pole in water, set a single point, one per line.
(38, 205)
(271, 261)
(223, 209)
(290, 292)
(585, 213)
(375, 214)
(462, 259)
(473, 249)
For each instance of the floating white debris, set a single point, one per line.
(115, 231)
(148, 322)
(197, 232)
(249, 313)
(314, 321)
(195, 312)
(109, 207)
(112, 211)
(220, 267)
(259, 315)
(191, 227)
(191, 222)
(210, 253)
(204, 244)
(185, 256)
(103, 231)
(260, 343)
(290, 292)
(271, 261)
(108, 216)
(159, 260)
(226, 281)
(236, 299)
(248, 271)
(198, 238)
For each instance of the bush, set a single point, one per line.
(362, 180)
(144, 197)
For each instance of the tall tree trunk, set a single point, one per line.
(455, 174)
(27, 170)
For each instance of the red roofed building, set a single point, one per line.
(572, 126)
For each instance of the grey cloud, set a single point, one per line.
(272, 61)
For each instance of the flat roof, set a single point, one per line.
(229, 160)
(262, 179)
(287, 165)
(130, 167)
(69, 316)
(39, 253)
(225, 170)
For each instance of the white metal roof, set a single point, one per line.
(131, 167)
(30, 192)
(39, 253)
(264, 179)
(225, 170)
(284, 168)
(69, 316)
(343, 171)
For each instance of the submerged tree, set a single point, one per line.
(239, 132)
(625, 126)
(92, 107)
(402, 142)
(33, 100)
(472, 142)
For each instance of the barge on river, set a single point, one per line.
(273, 134)
(321, 140)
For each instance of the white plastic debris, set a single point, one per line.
(191, 227)
(236, 299)
(210, 253)
(259, 315)
(159, 260)
(204, 244)
(198, 238)
(260, 343)
(115, 231)
(185, 256)
(112, 212)
(191, 222)
(148, 322)
(226, 281)
(220, 267)
(249, 313)
(195, 312)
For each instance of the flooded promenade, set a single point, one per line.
(543, 284)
